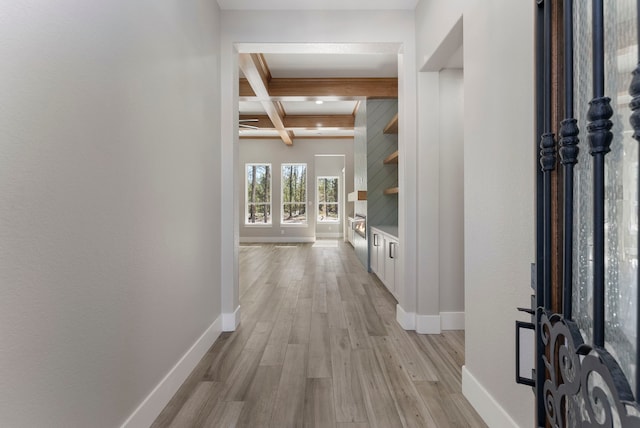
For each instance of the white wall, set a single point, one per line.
(109, 214)
(302, 151)
(316, 31)
(451, 194)
(498, 188)
(441, 188)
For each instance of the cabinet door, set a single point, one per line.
(376, 242)
(396, 265)
(391, 249)
(350, 232)
(380, 256)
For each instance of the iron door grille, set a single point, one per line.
(587, 345)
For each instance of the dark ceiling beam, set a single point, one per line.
(342, 88)
(258, 78)
(304, 121)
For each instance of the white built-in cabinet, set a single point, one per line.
(383, 255)
(350, 230)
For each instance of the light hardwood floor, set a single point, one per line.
(319, 346)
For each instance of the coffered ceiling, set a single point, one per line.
(293, 96)
(311, 94)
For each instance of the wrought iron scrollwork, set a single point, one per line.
(599, 127)
(569, 141)
(634, 105)
(634, 119)
(548, 152)
(585, 386)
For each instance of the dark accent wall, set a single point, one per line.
(360, 176)
(382, 209)
(371, 147)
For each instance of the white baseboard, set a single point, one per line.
(452, 320)
(428, 324)
(278, 239)
(487, 407)
(407, 320)
(231, 321)
(329, 235)
(153, 404)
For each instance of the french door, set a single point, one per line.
(586, 277)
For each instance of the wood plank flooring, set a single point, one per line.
(319, 346)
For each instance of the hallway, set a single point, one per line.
(319, 346)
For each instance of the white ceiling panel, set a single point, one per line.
(258, 133)
(317, 5)
(320, 48)
(324, 132)
(250, 107)
(311, 108)
(321, 61)
(332, 65)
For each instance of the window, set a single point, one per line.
(294, 193)
(258, 196)
(328, 207)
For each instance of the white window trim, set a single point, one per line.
(332, 221)
(246, 196)
(306, 190)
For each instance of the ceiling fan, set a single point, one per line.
(242, 123)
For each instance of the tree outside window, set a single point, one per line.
(328, 201)
(258, 197)
(294, 194)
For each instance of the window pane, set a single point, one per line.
(332, 212)
(259, 214)
(621, 198)
(328, 190)
(322, 189)
(322, 214)
(294, 193)
(294, 213)
(258, 197)
(258, 183)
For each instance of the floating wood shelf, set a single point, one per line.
(392, 126)
(360, 195)
(391, 191)
(392, 158)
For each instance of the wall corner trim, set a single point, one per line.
(231, 321)
(407, 320)
(152, 405)
(452, 320)
(485, 404)
(428, 324)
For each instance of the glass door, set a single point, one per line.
(586, 317)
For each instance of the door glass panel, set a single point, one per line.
(621, 182)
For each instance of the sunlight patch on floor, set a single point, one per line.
(325, 244)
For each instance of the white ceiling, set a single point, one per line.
(319, 60)
(250, 107)
(324, 132)
(318, 65)
(317, 4)
(326, 108)
(332, 65)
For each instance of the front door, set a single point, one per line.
(588, 121)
